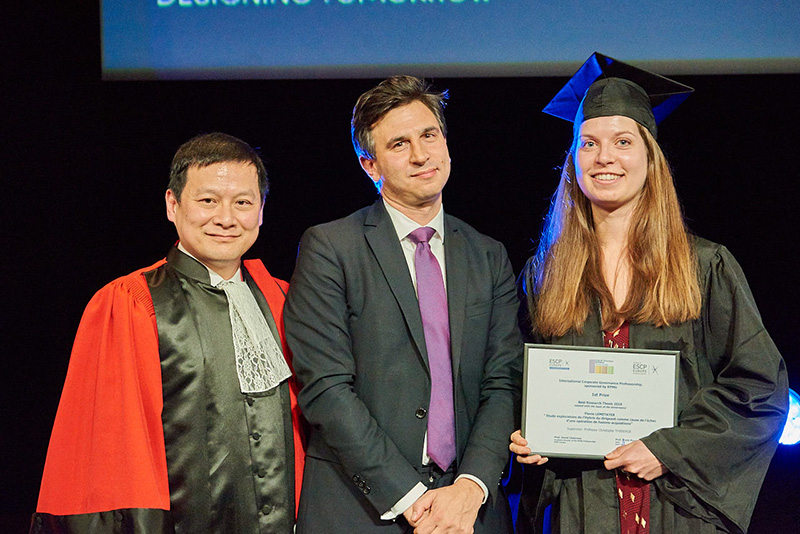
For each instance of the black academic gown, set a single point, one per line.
(732, 402)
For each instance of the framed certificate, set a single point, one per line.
(583, 402)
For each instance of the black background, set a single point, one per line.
(85, 166)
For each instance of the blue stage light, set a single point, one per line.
(791, 431)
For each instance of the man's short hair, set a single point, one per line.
(389, 94)
(208, 149)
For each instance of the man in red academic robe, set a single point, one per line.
(179, 409)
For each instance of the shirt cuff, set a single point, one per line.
(405, 503)
(479, 483)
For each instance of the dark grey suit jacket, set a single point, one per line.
(353, 323)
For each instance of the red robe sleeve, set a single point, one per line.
(107, 447)
(274, 292)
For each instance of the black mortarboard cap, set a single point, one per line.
(604, 86)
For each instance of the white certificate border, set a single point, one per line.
(625, 353)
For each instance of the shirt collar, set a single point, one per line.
(403, 225)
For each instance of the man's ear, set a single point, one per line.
(370, 168)
(172, 203)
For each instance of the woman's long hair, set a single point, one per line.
(566, 275)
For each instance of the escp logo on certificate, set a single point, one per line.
(559, 363)
(641, 368)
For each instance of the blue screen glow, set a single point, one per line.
(369, 38)
(791, 431)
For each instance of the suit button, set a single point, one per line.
(250, 400)
(262, 472)
(266, 509)
(356, 478)
(366, 490)
(421, 413)
(256, 436)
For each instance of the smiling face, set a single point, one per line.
(611, 162)
(412, 163)
(219, 214)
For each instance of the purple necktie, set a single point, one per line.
(436, 325)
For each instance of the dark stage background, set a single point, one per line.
(85, 164)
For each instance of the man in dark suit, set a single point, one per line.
(402, 321)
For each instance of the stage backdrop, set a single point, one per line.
(85, 166)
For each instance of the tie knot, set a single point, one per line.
(422, 234)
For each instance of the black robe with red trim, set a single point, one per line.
(124, 454)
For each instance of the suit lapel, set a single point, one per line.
(456, 264)
(382, 239)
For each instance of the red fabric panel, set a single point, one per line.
(107, 447)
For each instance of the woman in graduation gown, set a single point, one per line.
(615, 266)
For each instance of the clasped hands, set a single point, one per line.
(634, 458)
(452, 509)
